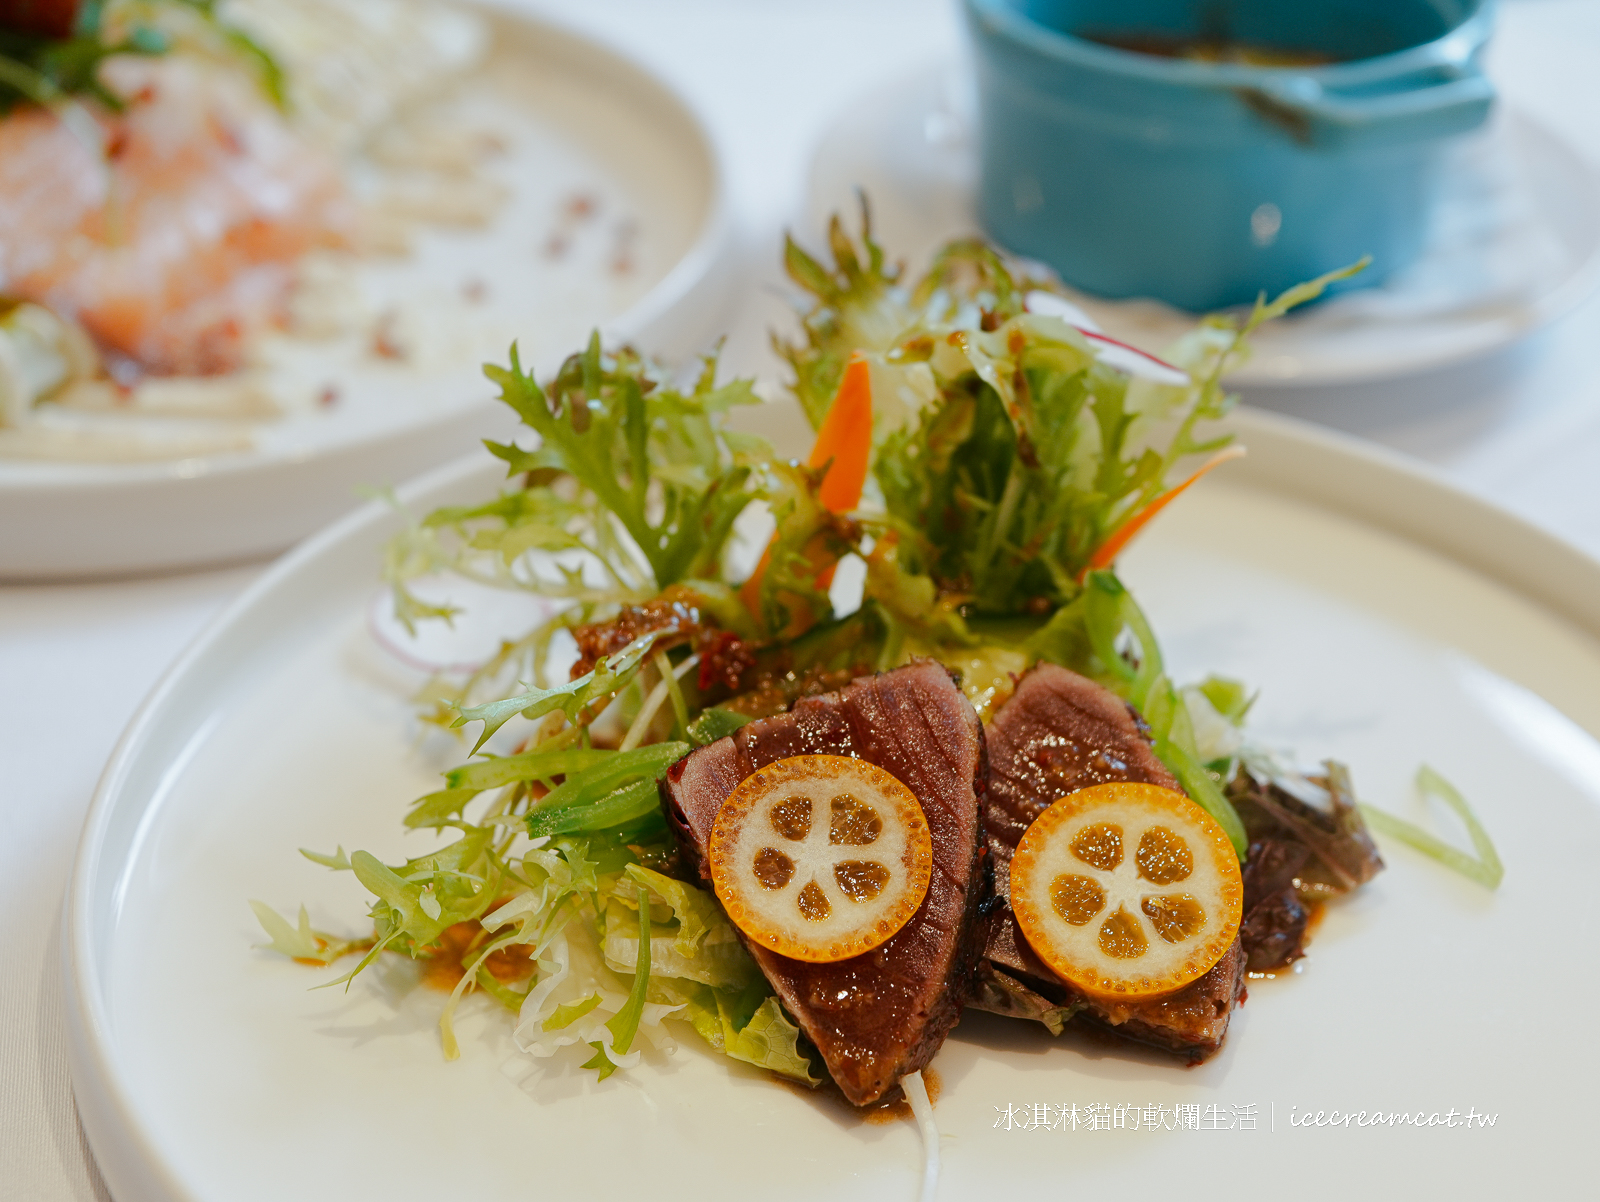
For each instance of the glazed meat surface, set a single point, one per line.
(880, 1015)
(1059, 733)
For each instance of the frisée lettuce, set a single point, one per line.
(1010, 461)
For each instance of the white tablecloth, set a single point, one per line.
(1522, 427)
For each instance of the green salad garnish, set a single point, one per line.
(51, 53)
(1008, 464)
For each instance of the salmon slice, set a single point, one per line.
(174, 241)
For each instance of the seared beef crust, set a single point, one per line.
(880, 1015)
(1060, 732)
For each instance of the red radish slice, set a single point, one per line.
(1048, 304)
(1108, 350)
(1134, 361)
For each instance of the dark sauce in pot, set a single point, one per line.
(1206, 49)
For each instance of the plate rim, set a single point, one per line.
(1329, 470)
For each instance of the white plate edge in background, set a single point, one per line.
(952, 77)
(1332, 472)
(118, 519)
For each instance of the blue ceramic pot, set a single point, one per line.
(1203, 184)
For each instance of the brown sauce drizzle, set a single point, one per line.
(893, 1112)
(1208, 49)
(444, 968)
(878, 1114)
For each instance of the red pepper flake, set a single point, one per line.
(384, 343)
(622, 260)
(328, 397)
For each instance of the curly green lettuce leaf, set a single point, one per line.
(856, 305)
(300, 942)
(699, 944)
(631, 484)
(1006, 453)
(415, 902)
(612, 427)
(604, 680)
(750, 1025)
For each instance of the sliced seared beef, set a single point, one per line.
(1299, 852)
(1271, 867)
(883, 1014)
(1275, 919)
(1274, 931)
(1342, 853)
(1190, 1023)
(1057, 734)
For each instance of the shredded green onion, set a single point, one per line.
(714, 724)
(1485, 868)
(624, 1024)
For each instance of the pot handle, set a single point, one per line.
(1445, 99)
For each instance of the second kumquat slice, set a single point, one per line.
(1127, 890)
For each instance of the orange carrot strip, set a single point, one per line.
(1108, 551)
(845, 441)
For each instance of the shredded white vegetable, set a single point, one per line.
(652, 703)
(922, 1110)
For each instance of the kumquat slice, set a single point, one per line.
(820, 857)
(1129, 891)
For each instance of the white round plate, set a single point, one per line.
(1386, 619)
(1515, 241)
(649, 263)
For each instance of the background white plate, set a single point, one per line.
(579, 119)
(1386, 619)
(1515, 241)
